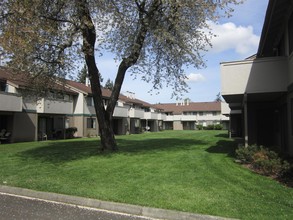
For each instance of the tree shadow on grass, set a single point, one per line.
(226, 146)
(65, 151)
(222, 135)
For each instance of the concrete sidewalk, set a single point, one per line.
(109, 206)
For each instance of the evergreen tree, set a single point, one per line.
(109, 85)
(218, 98)
(81, 77)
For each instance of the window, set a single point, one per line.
(290, 31)
(89, 101)
(67, 97)
(2, 86)
(215, 113)
(189, 113)
(59, 96)
(91, 123)
(67, 123)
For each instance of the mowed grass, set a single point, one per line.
(191, 171)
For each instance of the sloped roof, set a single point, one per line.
(107, 93)
(134, 101)
(278, 11)
(15, 77)
(23, 80)
(178, 108)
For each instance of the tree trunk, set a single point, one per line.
(108, 141)
(104, 117)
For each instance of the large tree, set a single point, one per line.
(153, 38)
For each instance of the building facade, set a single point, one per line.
(186, 115)
(70, 104)
(259, 90)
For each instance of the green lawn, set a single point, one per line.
(191, 171)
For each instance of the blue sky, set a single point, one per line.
(237, 38)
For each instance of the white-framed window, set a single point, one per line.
(202, 113)
(3, 86)
(89, 101)
(215, 113)
(91, 123)
(67, 123)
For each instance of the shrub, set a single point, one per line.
(70, 132)
(199, 127)
(262, 160)
(218, 127)
(210, 127)
(245, 154)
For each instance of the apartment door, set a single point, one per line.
(45, 126)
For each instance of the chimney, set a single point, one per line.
(87, 81)
(130, 95)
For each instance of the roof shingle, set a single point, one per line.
(179, 108)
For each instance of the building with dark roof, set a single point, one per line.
(67, 103)
(185, 115)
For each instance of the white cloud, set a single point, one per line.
(195, 77)
(241, 39)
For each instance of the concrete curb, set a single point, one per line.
(109, 206)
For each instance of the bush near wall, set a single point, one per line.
(199, 127)
(210, 127)
(218, 127)
(263, 161)
(70, 132)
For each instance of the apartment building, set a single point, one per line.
(70, 104)
(28, 118)
(259, 90)
(185, 115)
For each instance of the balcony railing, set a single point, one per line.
(136, 113)
(181, 118)
(120, 112)
(54, 106)
(255, 76)
(10, 102)
(154, 116)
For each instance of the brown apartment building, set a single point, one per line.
(70, 104)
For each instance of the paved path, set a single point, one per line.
(18, 203)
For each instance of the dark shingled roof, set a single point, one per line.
(178, 109)
(23, 80)
(107, 93)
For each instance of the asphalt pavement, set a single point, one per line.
(24, 204)
(14, 207)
